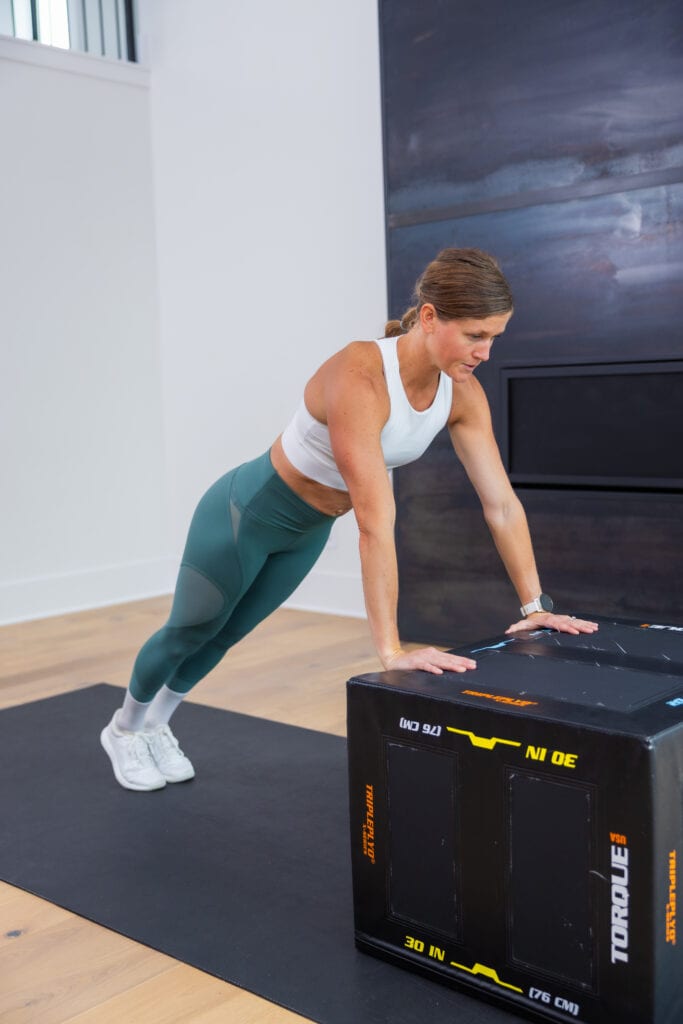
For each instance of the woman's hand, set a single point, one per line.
(428, 659)
(546, 620)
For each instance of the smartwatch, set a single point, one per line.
(542, 603)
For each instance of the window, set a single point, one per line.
(102, 27)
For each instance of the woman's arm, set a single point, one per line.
(475, 444)
(357, 407)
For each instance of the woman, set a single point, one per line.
(260, 528)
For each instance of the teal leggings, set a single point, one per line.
(251, 542)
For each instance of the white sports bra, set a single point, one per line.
(405, 436)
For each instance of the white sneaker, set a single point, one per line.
(131, 758)
(168, 756)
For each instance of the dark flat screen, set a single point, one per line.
(612, 427)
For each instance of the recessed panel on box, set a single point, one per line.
(422, 814)
(550, 860)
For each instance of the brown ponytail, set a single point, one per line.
(461, 284)
(393, 329)
(396, 327)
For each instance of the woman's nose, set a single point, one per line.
(483, 350)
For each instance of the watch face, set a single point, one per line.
(546, 603)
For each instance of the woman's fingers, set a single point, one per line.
(573, 625)
(562, 623)
(430, 659)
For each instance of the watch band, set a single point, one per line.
(542, 603)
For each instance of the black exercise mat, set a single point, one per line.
(243, 873)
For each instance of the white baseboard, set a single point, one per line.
(334, 593)
(46, 596)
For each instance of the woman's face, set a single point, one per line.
(459, 346)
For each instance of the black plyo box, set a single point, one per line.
(517, 830)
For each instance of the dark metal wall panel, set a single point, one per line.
(496, 99)
(552, 136)
(598, 275)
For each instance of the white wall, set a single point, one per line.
(171, 275)
(266, 129)
(83, 508)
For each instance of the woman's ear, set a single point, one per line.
(427, 317)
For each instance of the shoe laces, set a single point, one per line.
(167, 741)
(138, 749)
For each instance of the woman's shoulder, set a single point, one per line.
(354, 373)
(469, 401)
(365, 354)
(358, 359)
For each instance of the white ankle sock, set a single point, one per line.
(162, 707)
(132, 715)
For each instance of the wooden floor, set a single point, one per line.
(56, 967)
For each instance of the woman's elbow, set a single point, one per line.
(374, 527)
(503, 513)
